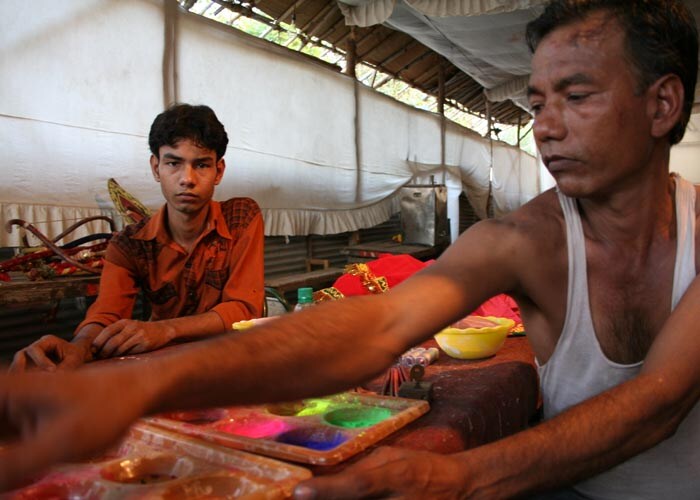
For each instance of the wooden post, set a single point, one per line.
(489, 198)
(441, 86)
(441, 110)
(351, 57)
(170, 57)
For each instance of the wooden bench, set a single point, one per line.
(21, 291)
(370, 251)
(317, 279)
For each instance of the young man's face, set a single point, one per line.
(592, 129)
(187, 174)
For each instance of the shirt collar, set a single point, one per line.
(154, 228)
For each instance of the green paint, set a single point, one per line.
(353, 418)
(314, 407)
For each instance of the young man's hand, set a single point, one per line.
(50, 353)
(128, 336)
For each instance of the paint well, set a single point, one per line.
(198, 417)
(256, 428)
(354, 417)
(147, 470)
(316, 438)
(211, 487)
(315, 407)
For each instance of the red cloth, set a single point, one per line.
(395, 268)
(501, 306)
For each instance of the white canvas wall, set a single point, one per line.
(685, 156)
(82, 81)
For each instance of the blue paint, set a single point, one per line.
(315, 438)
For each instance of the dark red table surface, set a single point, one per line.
(474, 402)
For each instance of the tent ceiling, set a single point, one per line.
(483, 38)
(479, 42)
(392, 51)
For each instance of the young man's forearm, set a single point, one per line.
(191, 327)
(233, 370)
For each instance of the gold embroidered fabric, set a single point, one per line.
(330, 293)
(373, 284)
(369, 281)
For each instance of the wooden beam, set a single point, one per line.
(472, 96)
(303, 29)
(369, 31)
(397, 53)
(414, 61)
(390, 58)
(458, 83)
(245, 11)
(290, 10)
(455, 77)
(380, 40)
(463, 94)
(326, 34)
(332, 9)
(428, 75)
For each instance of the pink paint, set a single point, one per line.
(252, 427)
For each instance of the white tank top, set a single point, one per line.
(578, 370)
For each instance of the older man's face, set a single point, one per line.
(592, 126)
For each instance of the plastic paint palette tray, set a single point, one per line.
(154, 463)
(322, 431)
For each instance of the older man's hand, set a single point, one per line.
(392, 473)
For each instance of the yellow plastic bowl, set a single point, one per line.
(250, 323)
(474, 343)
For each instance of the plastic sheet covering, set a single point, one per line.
(484, 38)
(83, 80)
(369, 12)
(491, 49)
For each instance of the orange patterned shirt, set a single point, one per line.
(223, 273)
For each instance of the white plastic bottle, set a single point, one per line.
(304, 298)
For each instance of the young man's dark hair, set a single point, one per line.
(660, 35)
(185, 121)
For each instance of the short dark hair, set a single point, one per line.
(661, 38)
(185, 121)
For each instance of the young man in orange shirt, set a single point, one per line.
(199, 262)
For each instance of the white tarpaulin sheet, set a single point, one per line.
(83, 80)
(483, 38)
